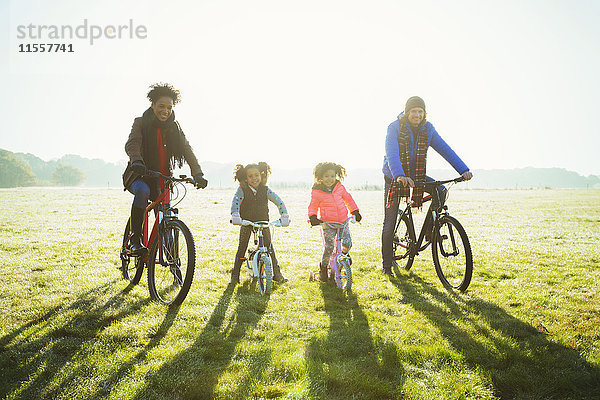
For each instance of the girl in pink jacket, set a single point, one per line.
(330, 200)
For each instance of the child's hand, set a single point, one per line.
(236, 219)
(314, 221)
(285, 220)
(357, 215)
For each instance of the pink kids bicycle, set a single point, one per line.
(339, 262)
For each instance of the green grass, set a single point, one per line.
(528, 327)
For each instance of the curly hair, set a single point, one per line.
(321, 168)
(161, 89)
(240, 172)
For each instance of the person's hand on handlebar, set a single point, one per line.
(405, 181)
(236, 219)
(285, 220)
(138, 167)
(314, 221)
(201, 182)
(467, 175)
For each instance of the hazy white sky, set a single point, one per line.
(507, 83)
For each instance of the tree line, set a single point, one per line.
(16, 172)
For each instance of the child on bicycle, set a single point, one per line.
(332, 201)
(250, 202)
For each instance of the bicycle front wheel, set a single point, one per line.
(452, 254)
(344, 275)
(404, 240)
(265, 274)
(132, 268)
(171, 263)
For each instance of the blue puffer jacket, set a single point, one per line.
(392, 167)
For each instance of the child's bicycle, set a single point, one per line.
(339, 263)
(451, 250)
(258, 261)
(172, 256)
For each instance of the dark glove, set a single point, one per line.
(200, 181)
(138, 167)
(314, 221)
(357, 215)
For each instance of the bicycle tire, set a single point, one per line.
(404, 239)
(126, 267)
(455, 267)
(171, 271)
(265, 274)
(343, 278)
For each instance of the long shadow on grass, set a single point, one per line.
(33, 366)
(520, 360)
(347, 363)
(195, 372)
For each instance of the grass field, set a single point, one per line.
(528, 327)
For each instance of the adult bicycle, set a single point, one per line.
(450, 245)
(171, 257)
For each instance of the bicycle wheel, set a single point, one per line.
(131, 271)
(344, 275)
(265, 274)
(404, 239)
(171, 263)
(452, 254)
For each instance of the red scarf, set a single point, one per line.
(398, 191)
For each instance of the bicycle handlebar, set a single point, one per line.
(261, 224)
(350, 219)
(437, 183)
(182, 178)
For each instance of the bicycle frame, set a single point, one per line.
(339, 255)
(431, 218)
(257, 231)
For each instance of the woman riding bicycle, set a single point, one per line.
(406, 144)
(156, 143)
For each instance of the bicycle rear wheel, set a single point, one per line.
(171, 263)
(265, 274)
(131, 267)
(452, 254)
(404, 240)
(344, 275)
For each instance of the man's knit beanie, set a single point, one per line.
(413, 102)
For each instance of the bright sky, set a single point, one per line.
(507, 83)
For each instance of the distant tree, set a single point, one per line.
(67, 175)
(14, 172)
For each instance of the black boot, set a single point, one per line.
(277, 275)
(235, 272)
(323, 272)
(387, 270)
(135, 225)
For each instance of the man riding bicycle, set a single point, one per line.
(156, 143)
(406, 144)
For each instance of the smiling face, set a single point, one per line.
(328, 178)
(253, 177)
(415, 116)
(163, 107)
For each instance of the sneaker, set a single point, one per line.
(387, 271)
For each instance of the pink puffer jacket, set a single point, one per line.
(333, 205)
